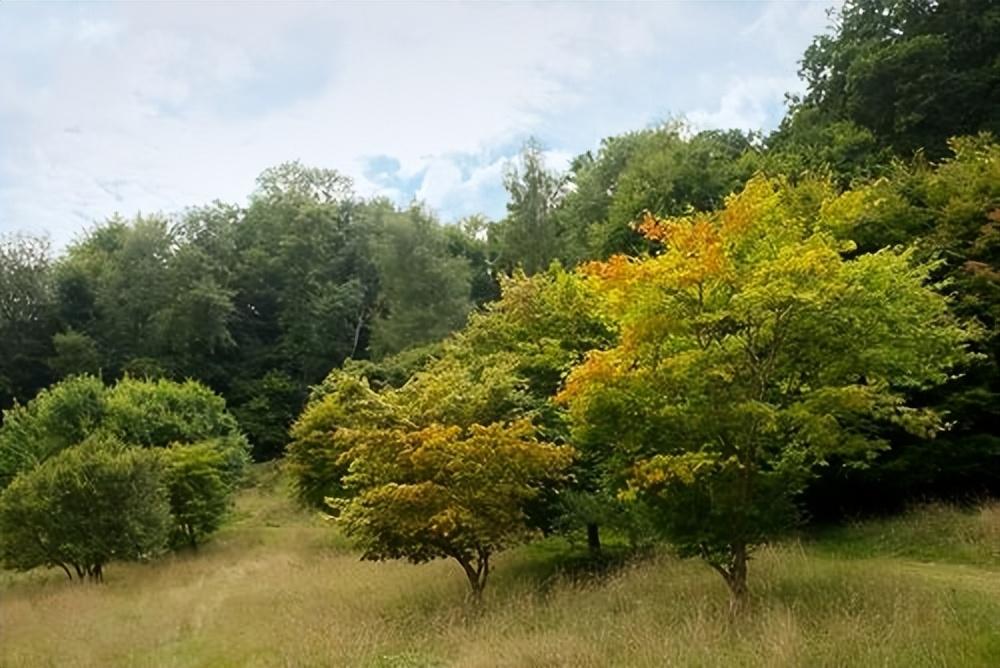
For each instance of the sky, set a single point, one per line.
(154, 107)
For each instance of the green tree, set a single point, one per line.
(164, 415)
(90, 504)
(530, 236)
(27, 316)
(74, 353)
(751, 350)
(912, 73)
(657, 170)
(199, 492)
(57, 418)
(424, 289)
(948, 211)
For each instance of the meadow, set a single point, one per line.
(278, 586)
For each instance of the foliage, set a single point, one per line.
(90, 504)
(444, 492)
(425, 290)
(27, 310)
(204, 454)
(74, 354)
(751, 350)
(530, 237)
(433, 469)
(658, 170)
(199, 491)
(58, 418)
(264, 408)
(912, 73)
(948, 211)
(158, 413)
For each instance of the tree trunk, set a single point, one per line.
(477, 571)
(735, 575)
(593, 539)
(737, 581)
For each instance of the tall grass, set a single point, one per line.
(278, 588)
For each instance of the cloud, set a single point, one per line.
(146, 106)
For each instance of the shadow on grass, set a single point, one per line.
(554, 561)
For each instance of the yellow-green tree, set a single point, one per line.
(435, 469)
(752, 347)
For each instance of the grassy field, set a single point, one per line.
(279, 588)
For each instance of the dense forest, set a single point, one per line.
(706, 336)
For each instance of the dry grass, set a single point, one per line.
(277, 588)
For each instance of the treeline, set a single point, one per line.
(863, 216)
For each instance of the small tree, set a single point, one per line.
(88, 505)
(751, 349)
(431, 470)
(198, 489)
(444, 492)
(139, 413)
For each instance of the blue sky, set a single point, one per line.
(148, 107)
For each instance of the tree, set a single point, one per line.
(540, 328)
(430, 470)
(659, 170)
(530, 236)
(752, 349)
(90, 504)
(57, 418)
(947, 211)
(27, 316)
(912, 73)
(170, 417)
(74, 353)
(199, 492)
(424, 288)
(444, 492)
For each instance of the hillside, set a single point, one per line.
(277, 587)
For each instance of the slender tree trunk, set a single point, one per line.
(476, 571)
(593, 539)
(67, 571)
(737, 581)
(735, 576)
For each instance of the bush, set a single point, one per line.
(202, 451)
(59, 417)
(85, 506)
(199, 491)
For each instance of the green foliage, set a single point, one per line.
(530, 237)
(264, 408)
(657, 170)
(903, 74)
(315, 456)
(75, 353)
(425, 289)
(90, 504)
(204, 453)
(59, 417)
(199, 490)
(752, 350)
(161, 412)
(27, 316)
(437, 468)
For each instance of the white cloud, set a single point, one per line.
(151, 106)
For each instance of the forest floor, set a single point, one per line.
(278, 587)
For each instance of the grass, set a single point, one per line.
(279, 588)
